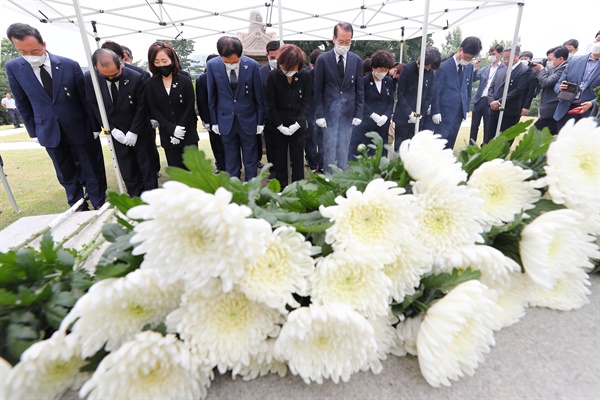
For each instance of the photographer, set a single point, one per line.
(547, 77)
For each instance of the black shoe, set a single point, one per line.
(217, 171)
(260, 164)
(83, 207)
(158, 175)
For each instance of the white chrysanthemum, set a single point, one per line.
(512, 299)
(456, 332)
(505, 191)
(346, 278)
(406, 336)
(385, 336)
(331, 341)
(494, 266)
(193, 235)
(427, 160)
(373, 221)
(225, 328)
(406, 270)
(261, 364)
(554, 244)
(570, 292)
(47, 369)
(150, 367)
(115, 310)
(281, 271)
(573, 169)
(5, 368)
(449, 220)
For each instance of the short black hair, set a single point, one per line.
(211, 56)
(433, 57)
(314, 55)
(496, 47)
(517, 49)
(560, 51)
(7, 93)
(104, 56)
(471, 45)
(527, 54)
(127, 50)
(273, 45)
(20, 31)
(114, 46)
(345, 26)
(572, 42)
(382, 59)
(229, 45)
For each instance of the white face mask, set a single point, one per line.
(493, 59)
(596, 48)
(464, 63)
(380, 75)
(524, 62)
(571, 55)
(35, 61)
(273, 63)
(550, 65)
(231, 66)
(342, 50)
(289, 73)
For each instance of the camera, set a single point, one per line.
(540, 61)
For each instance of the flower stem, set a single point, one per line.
(421, 306)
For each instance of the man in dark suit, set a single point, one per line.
(518, 89)
(216, 144)
(481, 105)
(123, 96)
(272, 54)
(50, 94)
(406, 113)
(585, 72)
(339, 96)
(313, 144)
(235, 100)
(547, 77)
(452, 92)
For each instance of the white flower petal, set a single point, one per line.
(570, 292)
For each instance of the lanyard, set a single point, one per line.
(586, 77)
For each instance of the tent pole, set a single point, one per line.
(88, 53)
(279, 13)
(510, 64)
(421, 66)
(401, 46)
(9, 192)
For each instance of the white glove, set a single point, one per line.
(154, 124)
(293, 128)
(215, 129)
(429, 110)
(179, 132)
(175, 141)
(356, 121)
(382, 120)
(96, 134)
(321, 123)
(260, 129)
(118, 135)
(35, 140)
(206, 126)
(130, 139)
(284, 130)
(436, 118)
(374, 117)
(412, 119)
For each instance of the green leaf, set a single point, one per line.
(508, 244)
(114, 270)
(112, 231)
(81, 280)
(123, 202)
(541, 207)
(200, 172)
(496, 148)
(58, 306)
(65, 258)
(532, 145)
(515, 130)
(274, 186)
(47, 251)
(445, 281)
(23, 330)
(94, 361)
(7, 298)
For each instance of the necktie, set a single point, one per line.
(460, 74)
(46, 80)
(340, 65)
(233, 80)
(114, 92)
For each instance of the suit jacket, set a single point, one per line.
(44, 116)
(246, 103)
(335, 97)
(202, 98)
(130, 113)
(264, 75)
(483, 76)
(173, 109)
(145, 74)
(408, 82)
(547, 80)
(574, 73)
(376, 102)
(518, 88)
(289, 102)
(449, 93)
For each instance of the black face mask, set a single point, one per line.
(165, 70)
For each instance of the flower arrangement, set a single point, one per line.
(421, 253)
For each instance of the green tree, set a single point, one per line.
(453, 41)
(7, 52)
(183, 48)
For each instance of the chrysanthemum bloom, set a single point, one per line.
(152, 366)
(5, 368)
(47, 369)
(331, 341)
(554, 244)
(427, 160)
(193, 235)
(456, 332)
(373, 221)
(494, 266)
(115, 310)
(282, 270)
(570, 292)
(261, 363)
(449, 220)
(406, 336)
(349, 279)
(573, 170)
(385, 336)
(225, 328)
(505, 191)
(513, 294)
(406, 270)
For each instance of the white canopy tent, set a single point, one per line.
(122, 20)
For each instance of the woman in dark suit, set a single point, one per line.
(289, 95)
(170, 98)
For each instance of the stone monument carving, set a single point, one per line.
(255, 41)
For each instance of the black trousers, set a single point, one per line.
(136, 166)
(481, 111)
(313, 145)
(295, 144)
(549, 123)
(508, 120)
(216, 145)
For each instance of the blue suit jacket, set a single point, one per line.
(246, 103)
(483, 76)
(202, 98)
(44, 116)
(574, 73)
(334, 97)
(449, 93)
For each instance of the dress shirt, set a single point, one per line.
(493, 70)
(337, 57)
(48, 66)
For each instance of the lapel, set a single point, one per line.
(57, 75)
(454, 71)
(29, 76)
(105, 92)
(333, 66)
(593, 75)
(242, 75)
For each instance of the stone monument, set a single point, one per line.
(255, 41)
